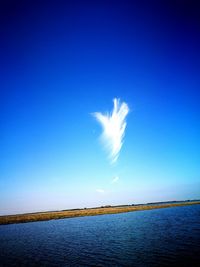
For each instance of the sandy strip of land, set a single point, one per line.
(52, 215)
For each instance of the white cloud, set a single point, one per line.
(99, 190)
(114, 126)
(115, 179)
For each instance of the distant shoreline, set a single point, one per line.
(53, 215)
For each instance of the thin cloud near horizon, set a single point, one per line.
(100, 190)
(113, 126)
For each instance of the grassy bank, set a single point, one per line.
(44, 216)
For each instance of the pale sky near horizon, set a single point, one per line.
(63, 61)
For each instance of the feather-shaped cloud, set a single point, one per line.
(114, 126)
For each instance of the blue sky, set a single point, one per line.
(60, 62)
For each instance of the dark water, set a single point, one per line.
(164, 237)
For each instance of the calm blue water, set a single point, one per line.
(165, 237)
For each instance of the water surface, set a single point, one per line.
(160, 237)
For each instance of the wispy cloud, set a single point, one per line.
(115, 179)
(114, 126)
(99, 190)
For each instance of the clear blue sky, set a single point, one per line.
(62, 60)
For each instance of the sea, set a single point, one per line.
(159, 237)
